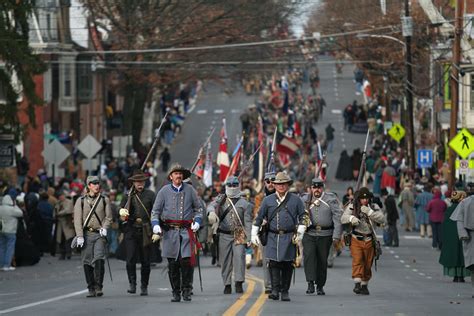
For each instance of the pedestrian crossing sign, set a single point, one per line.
(397, 132)
(462, 143)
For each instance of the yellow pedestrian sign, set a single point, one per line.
(397, 132)
(462, 143)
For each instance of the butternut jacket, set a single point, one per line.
(82, 208)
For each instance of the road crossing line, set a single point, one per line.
(201, 111)
(54, 299)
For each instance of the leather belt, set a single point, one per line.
(227, 232)
(281, 231)
(138, 220)
(361, 235)
(92, 230)
(319, 227)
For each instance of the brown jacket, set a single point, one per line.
(103, 211)
(63, 213)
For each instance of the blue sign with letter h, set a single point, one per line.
(425, 158)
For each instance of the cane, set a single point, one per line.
(198, 261)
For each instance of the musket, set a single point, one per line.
(152, 148)
(201, 149)
(317, 171)
(249, 162)
(362, 164)
(272, 152)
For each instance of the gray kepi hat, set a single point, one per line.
(282, 177)
(318, 182)
(92, 179)
(178, 168)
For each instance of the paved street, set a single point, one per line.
(409, 280)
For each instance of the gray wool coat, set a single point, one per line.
(172, 205)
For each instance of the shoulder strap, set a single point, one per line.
(279, 207)
(143, 206)
(91, 211)
(226, 211)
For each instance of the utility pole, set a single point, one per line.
(407, 30)
(458, 28)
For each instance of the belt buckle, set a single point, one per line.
(318, 228)
(90, 229)
(281, 232)
(138, 220)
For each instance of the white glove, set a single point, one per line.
(300, 232)
(366, 210)
(155, 238)
(80, 241)
(254, 236)
(212, 218)
(355, 221)
(123, 212)
(156, 229)
(103, 232)
(195, 226)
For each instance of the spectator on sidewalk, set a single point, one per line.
(391, 214)
(407, 202)
(436, 208)
(330, 137)
(422, 217)
(9, 214)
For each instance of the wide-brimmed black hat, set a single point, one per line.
(178, 168)
(364, 193)
(138, 175)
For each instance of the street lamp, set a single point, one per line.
(409, 85)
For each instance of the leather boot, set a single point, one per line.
(228, 289)
(175, 280)
(132, 279)
(89, 274)
(145, 277)
(364, 290)
(357, 288)
(187, 294)
(275, 279)
(99, 272)
(320, 291)
(238, 287)
(286, 275)
(187, 276)
(310, 289)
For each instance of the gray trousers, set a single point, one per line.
(315, 253)
(231, 258)
(94, 248)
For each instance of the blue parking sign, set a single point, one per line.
(425, 158)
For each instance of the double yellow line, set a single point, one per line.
(256, 308)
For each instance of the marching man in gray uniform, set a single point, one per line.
(92, 218)
(234, 214)
(324, 228)
(177, 214)
(284, 213)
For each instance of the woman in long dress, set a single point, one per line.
(451, 257)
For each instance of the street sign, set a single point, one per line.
(55, 152)
(462, 143)
(387, 125)
(397, 132)
(89, 146)
(7, 154)
(464, 166)
(425, 158)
